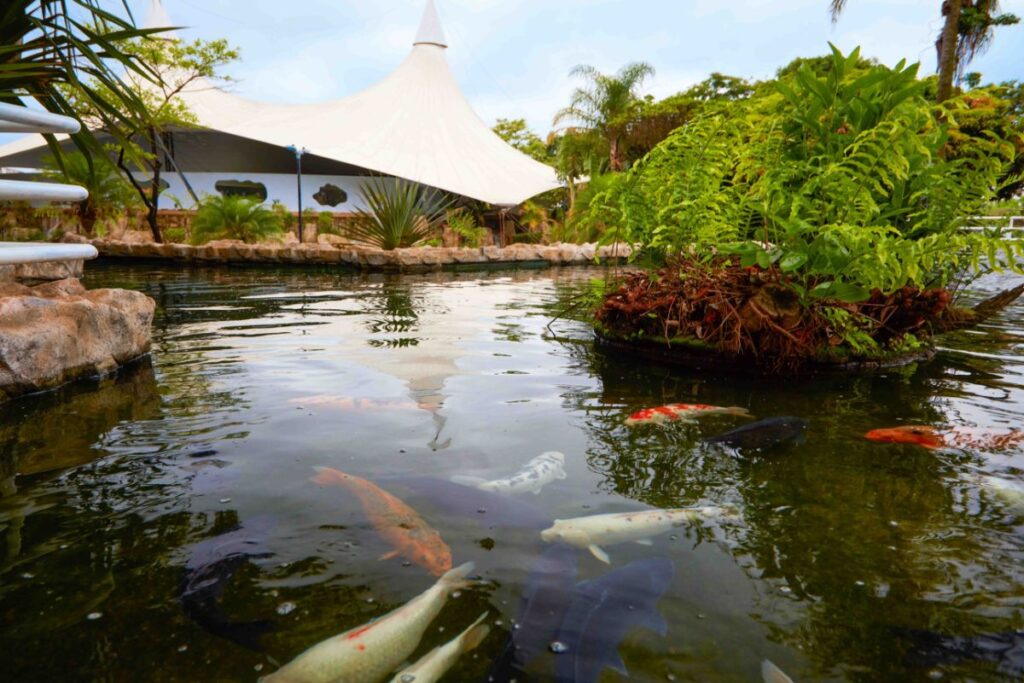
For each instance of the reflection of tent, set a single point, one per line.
(414, 124)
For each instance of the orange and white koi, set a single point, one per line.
(684, 412)
(368, 653)
(394, 521)
(432, 666)
(935, 438)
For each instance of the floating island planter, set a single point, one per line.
(753, 320)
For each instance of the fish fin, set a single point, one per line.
(328, 475)
(615, 662)
(741, 412)
(644, 541)
(455, 579)
(388, 556)
(600, 554)
(656, 622)
(773, 674)
(467, 481)
(475, 634)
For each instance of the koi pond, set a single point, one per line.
(165, 525)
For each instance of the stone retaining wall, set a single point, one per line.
(417, 259)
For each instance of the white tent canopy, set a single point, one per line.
(415, 124)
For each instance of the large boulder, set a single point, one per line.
(58, 332)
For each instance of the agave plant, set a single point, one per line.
(234, 218)
(397, 213)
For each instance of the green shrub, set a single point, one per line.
(844, 181)
(236, 218)
(284, 215)
(398, 213)
(325, 224)
(526, 238)
(463, 224)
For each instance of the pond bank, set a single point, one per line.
(417, 259)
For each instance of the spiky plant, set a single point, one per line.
(234, 218)
(397, 213)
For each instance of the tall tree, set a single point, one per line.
(47, 47)
(967, 31)
(182, 66)
(602, 104)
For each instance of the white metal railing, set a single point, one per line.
(14, 119)
(1014, 222)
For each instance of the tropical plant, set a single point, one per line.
(234, 217)
(463, 223)
(516, 133)
(109, 192)
(601, 105)
(397, 213)
(284, 215)
(967, 31)
(49, 47)
(845, 183)
(325, 223)
(146, 139)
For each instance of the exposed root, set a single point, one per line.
(757, 313)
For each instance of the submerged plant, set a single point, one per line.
(235, 218)
(397, 213)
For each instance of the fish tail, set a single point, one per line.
(467, 481)
(329, 475)
(474, 635)
(737, 410)
(454, 579)
(773, 674)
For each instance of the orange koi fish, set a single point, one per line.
(394, 521)
(934, 438)
(681, 411)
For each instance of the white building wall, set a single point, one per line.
(280, 186)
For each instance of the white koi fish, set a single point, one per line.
(1011, 492)
(435, 664)
(368, 653)
(590, 533)
(534, 475)
(773, 674)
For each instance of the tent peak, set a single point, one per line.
(430, 32)
(158, 18)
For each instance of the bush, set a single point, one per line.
(463, 224)
(284, 215)
(235, 218)
(843, 182)
(325, 224)
(398, 213)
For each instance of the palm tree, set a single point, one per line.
(966, 32)
(48, 47)
(602, 105)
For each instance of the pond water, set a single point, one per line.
(845, 559)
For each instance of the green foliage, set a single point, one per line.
(516, 133)
(398, 213)
(845, 182)
(463, 224)
(234, 218)
(49, 47)
(325, 224)
(284, 215)
(109, 192)
(600, 105)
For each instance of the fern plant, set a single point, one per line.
(463, 224)
(843, 181)
(397, 213)
(235, 218)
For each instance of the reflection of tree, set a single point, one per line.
(857, 542)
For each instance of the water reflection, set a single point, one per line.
(846, 552)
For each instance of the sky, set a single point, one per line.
(513, 57)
